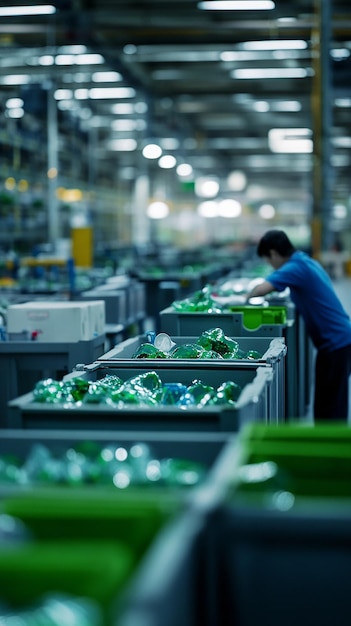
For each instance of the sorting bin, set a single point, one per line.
(282, 534)
(151, 562)
(115, 303)
(82, 542)
(23, 363)
(252, 404)
(246, 321)
(235, 321)
(198, 447)
(273, 352)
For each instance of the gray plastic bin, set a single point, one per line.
(252, 405)
(177, 323)
(24, 363)
(115, 303)
(201, 447)
(273, 351)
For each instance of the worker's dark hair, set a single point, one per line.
(275, 240)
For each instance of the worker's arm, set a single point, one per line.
(260, 290)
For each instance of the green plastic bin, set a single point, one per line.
(284, 537)
(97, 571)
(83, 542)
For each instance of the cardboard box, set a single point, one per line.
(56, 321)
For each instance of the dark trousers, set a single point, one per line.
(331, 392)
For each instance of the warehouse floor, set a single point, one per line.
(343, 289)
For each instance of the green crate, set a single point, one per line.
(284, 537)
(235, 322)
(254, 316)
(96, 570)
(328, 432)
(308, 461)
(91, 514)
(157, 542)
(82, 542)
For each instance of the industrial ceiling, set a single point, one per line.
(196, 89)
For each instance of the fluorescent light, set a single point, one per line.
(157, 210)
(152, 151)
(15, 79)
(72, 49)
(169, 143)
(124, 124)
(237, 180)
(280, 44)
(111, 92)
(290, 140)
(342, 102)
(123, 108)
(167, 162)
(339, 211)
(229, 208)
(46, 59)
(206, 187)
(65, 59)
(258, 55)
(236, 5)
(14, 103)
(15, 113)
(63, 94)
(106, 77)
(290, 106)
(266, 211)
(44, 9)
(122, 145)
(271, 72)
(340, 53)
(208, 209)
(184, 170)
(286, 105)
(79, 59)
(261, 106)
(341, 142)
(89, 59)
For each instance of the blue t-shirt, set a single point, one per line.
(312, 292)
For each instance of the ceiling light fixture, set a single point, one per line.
(106, 77)
(15, 79)
(208, 208)
(280, 44)
(229, 208)
(290, 140)
(206, 187)
(236, 5)
(184, 170)
(167, 162)
(271, 72)
(157, 210)
(102, 93)
(152, 151)
(44, 9)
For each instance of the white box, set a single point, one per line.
(97, 316)
(55, 321)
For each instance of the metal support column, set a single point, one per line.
(52, 134)
(322, 103)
